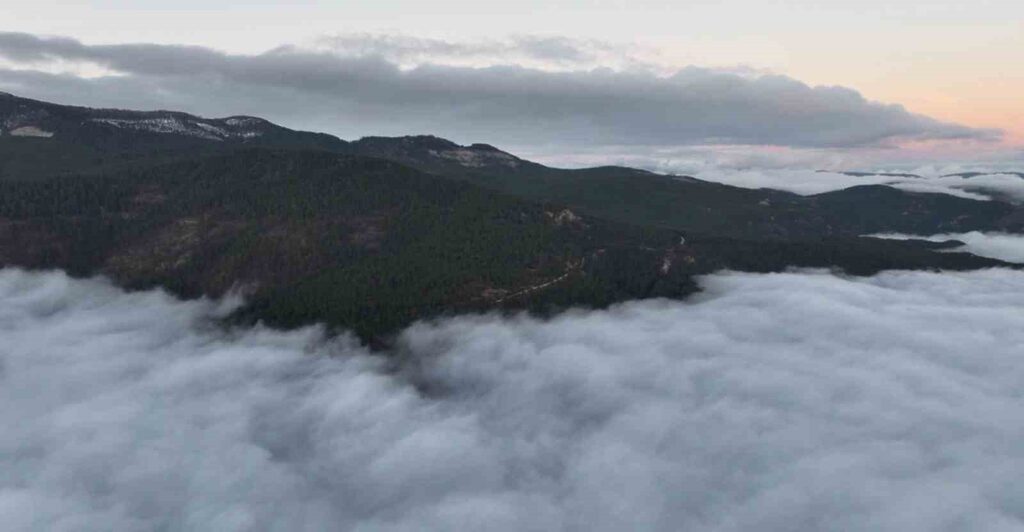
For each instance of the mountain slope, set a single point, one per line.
(40, 139)
(90, 140)
(699, 207)
(312, 236)
(370, 245)
(375, 234)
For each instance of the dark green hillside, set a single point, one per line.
(695, 206)
(371, 245)
(375, 234)
(98, 140)
(312, 236)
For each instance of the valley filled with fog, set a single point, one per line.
(768, 401)
(531, 266)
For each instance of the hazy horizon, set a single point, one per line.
(870, 85)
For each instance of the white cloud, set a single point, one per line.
(771, 402)
(1002, 246)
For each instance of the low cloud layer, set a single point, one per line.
(933, 159)
(1001, 186)
(772, 402)
(1002, 246)
(358, 85)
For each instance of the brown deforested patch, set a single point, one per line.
(31, 244)
(173, 246)
(367, 231)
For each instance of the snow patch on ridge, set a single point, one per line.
(476, 158)
(231, 128)
(31, 131)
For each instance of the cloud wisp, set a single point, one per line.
(542, 52)
(770, 402)
(1002, 246)
(359, 85)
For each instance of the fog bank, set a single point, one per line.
(1003, 246)
(770, 402)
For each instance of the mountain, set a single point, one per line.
(40, 140)
(121, 130)
(313, 236)
(373, 234)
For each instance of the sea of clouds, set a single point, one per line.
(795, 401)
(804, 172)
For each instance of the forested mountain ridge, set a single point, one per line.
(373, 234)
(357, 242)
(39, 140)
(118, 129)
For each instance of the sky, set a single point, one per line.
(951, 61)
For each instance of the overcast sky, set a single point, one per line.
(798, 74)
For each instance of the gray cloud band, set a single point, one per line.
(367, 93)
